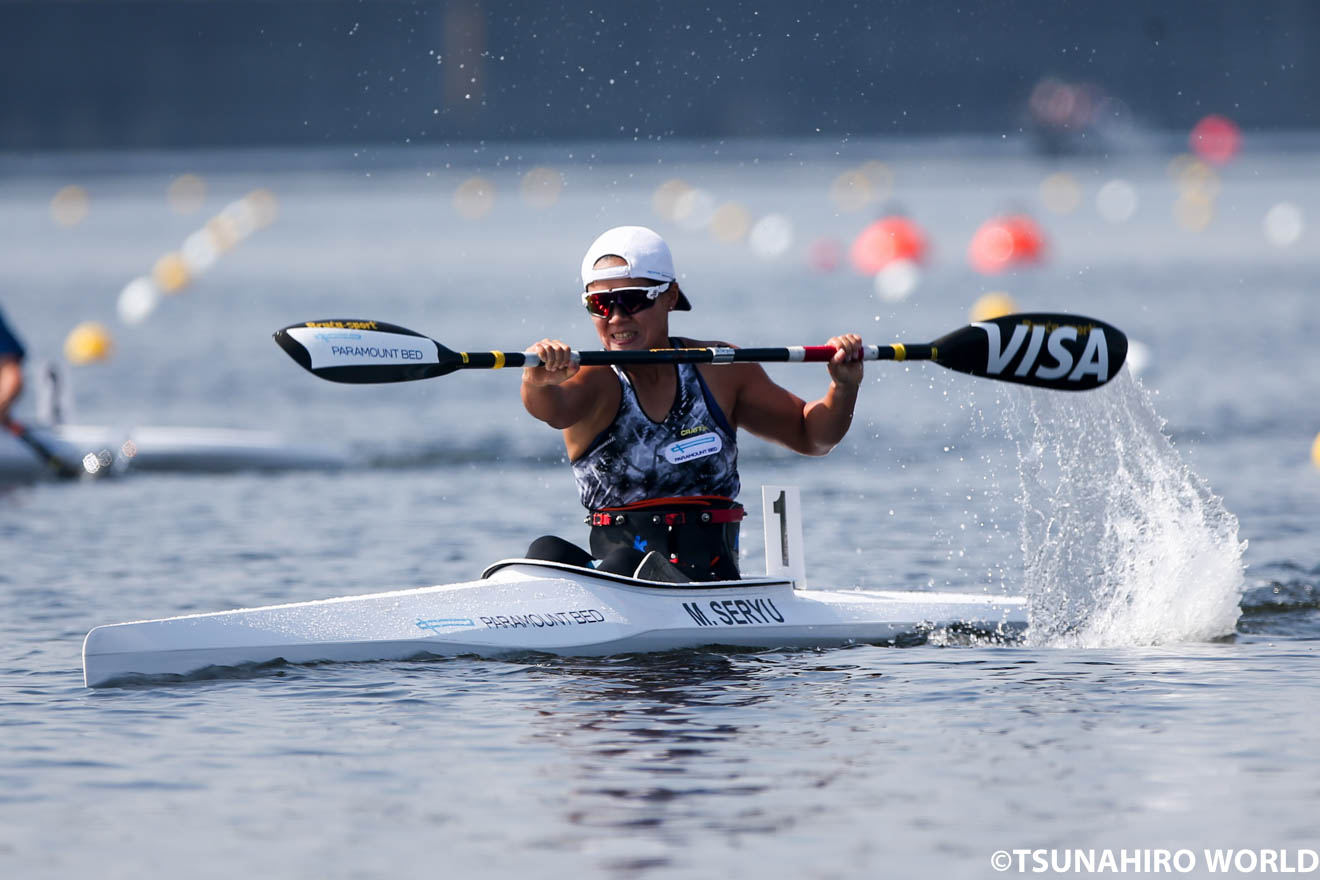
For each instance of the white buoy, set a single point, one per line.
(137, 300)
(1116, 201)
(771, 236)
(243, 217)
(1284, 224)
(694, 209)
(897, 280)
(199, 251)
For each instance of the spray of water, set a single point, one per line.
(1122, 543)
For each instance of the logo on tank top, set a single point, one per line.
(693, 447)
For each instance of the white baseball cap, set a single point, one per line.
(644, 252)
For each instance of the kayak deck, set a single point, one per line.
(521, 606)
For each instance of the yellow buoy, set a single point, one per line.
(730, 222)
(171, 273)
(1061, 193)
(851, 191)
(1315, 451)
(1194, 210)
(223, 233)
(475, 198)
(186, 194)
(1198, 177)
(69, 206)
(541, 186)
(992, 305)
(664, 201)
(87, 342)
(265, 206)
(880, 177)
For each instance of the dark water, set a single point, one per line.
(1165, 699)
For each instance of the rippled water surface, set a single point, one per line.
(1165, 697)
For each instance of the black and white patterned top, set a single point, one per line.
(694, 451)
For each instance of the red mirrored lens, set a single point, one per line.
(630, 299)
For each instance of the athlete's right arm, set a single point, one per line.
(559, 392)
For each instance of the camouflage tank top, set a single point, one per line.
(692, 452)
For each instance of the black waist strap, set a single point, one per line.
(700, 537)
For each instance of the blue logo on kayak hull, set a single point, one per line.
(440, 624)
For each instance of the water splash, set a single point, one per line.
(1122, 543)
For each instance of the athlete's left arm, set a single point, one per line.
(775, 413)
(11, 384)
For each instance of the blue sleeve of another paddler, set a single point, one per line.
(9, 344)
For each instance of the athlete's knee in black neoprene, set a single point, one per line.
(622, 560)
(553, 548)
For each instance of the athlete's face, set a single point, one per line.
(648, 328)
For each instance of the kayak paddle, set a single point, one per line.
(57, 465)
(1064, 352)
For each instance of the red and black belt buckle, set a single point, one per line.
(601, 519)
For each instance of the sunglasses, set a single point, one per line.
(630, 300)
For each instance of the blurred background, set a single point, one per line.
(179, 179)
(147, 74)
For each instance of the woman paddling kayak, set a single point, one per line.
(654, 447)
(11, 370)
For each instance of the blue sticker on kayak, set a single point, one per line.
(440, 624)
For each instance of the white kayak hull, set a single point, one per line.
(175, 449)
(522, 606)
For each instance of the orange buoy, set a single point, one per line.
(1006, 241)
(1216, 139)
(1028, 240)
(888, 239)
